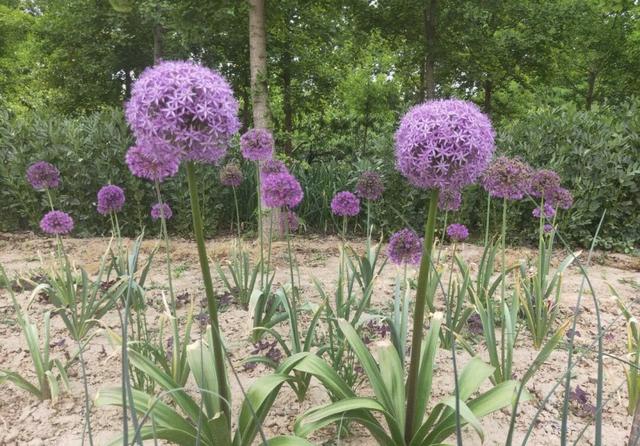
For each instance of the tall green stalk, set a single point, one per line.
(503, 267)
(260, 228)
(412, 418)
(218, 348)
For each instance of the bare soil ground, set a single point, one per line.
(26, 421)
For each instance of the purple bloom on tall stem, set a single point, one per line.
(449, 200)
(369, 186)
(281, 190)
(257, 145)
(507, 178)
(345, 204)
(561, 198)
(548, 228)
(288, 220)
(150, 165)
(231, 175)
(405, 247)
(56, 223)
(110, 199)
(548, 211)
(43, 175)
(186, 105)
(457, 232)
(160, 210)
(444, 144)
(270, 167)
(543, 183)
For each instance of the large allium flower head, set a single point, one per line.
(270, 167)
(457, 232)
(507, 178)
(369, 186)
(449, 200)
(289, 220)
(547, 212)
(405, 247)
(110, 199)
(544, 182)
(444, 144)
(561, 198)
(187, 105)
(548, 229)
(160, 210)
(345, 204)
(56, 223)
(43, 175)
(281, 190)
(257, 145)
(151, 164)
(231, 175)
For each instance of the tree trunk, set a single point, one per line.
(488, 91)
(591, 82)
(428, 77)
(258, 63)
(158, 32)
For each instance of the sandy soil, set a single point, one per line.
(26, 421)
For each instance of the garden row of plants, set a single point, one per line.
(597, 152)
(184, 115)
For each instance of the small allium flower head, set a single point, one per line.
(281, 190)
(544, 182)
(43, 175)
(449, 200)
(369, 186)
(548, 228)
(345, 204)
(548, 212)
(187, 105)
(151, 165)
(270, 167)
(56, 223)
(507, 178)
(444, 144)
(257, 145)
(160, 210)
(457, 232)
(405, 247)
(110, 199)
(289, 221)
(561, 198)
(231, 175)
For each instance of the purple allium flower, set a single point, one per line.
(561, 198)
(289, 220)
(369, 186)
(549, 211)
(269, 167)
(231, 175)
(186, 105)
(457, 232)
(444, 144)
(43, 175)
(56, 223)
(345, 204)
(151, 165)
(449, 200)
(110, 199)
(405, 247)
(160, 210)
(507, 178)
(257, 145)
(544, 182)
(280, 190)
(548, 228)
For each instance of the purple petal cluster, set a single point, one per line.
(160, 210)
(548, 211)
(457, 232)
(345, 204)
(281, 190)
(257, 145)
(43, 175)
(189, 106)
(271, 167)
(231, 175)
(288, 221)
(405, 247)
(561, 198)
(507, 178)
(548, 229)
(56, 223)
(110, 199)
(449, 200)
(369, 186)
(152, 165)
(543, 183)
(444, 144)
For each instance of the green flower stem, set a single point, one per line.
(487, 218)
(218, 348)
(260, 229)
(413, 419)
(506, 366)
(50, 199)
